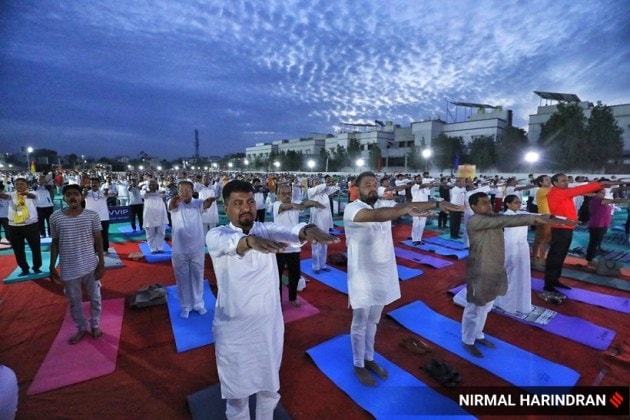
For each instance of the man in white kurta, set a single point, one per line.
(248, 327)
(155, 218)
(372, 272)
(420, 192)
(96, 200)
(210, 216)
(322, 218)
(188, 248)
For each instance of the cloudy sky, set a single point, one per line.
(110, 77)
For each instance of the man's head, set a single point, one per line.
(72, 195)
(95, 183)
(206, 180)
(480, 203)
(560, 180)
(460, 182)
(153, 185)
(239, 203)
(21, 185)
(513, 202)
(185, 191)
(284, 193)
(367, 185)
(543, 181)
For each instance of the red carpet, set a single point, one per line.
(151, 380)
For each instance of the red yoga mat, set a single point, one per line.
(67, 364)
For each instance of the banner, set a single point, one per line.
(119, 214)
(467, 171)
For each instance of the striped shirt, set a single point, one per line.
(76, 242)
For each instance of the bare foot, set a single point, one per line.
(97, 332)
(77, 337)
(295, 303)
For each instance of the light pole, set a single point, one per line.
(276, 164)
(360, 162)
(426, 154)
(29, 150)
(230, 164)
(311, 164)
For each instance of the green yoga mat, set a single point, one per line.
(15, 278)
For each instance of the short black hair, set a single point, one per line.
(473, 200)
(539, 180)
(71, 187)
(236, 186)
(364, 175)
(555, 177)
(510, 198)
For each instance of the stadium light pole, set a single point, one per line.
(311, 164)
(531, 158)
(426, 154)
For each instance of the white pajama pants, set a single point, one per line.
(319, 253)
(473, 321)
(155, 237)
(363, 333)
(188, 270)
(417, 228)
(266, 402)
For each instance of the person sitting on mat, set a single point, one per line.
(187, 249)
(76, 234)
(486, 277)
(248, 326)
(372, 272)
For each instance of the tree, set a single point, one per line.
(354, 151)
(510, 149)
(448, 151)
(603, 137)
(563, 137)
(338, 159)
(415, 160)
(483, 153)
(375, 157)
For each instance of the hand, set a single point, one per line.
(54, 275)
(100, 270)
(446, 206)
(556, 220)
(314, 234)
(413, 211)
(264, 245)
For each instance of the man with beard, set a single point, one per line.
(76, 233)
(372, 272)
(248, 325)
(187, 249)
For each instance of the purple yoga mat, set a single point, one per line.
(569, 327)
(422, 258)
(615, 303)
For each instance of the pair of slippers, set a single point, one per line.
(446, 375)
(154, 294)
(415, 346)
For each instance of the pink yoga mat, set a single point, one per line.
(291, 313)
(90, 358)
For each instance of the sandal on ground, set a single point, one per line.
(97, 332)
(77, 337)
(415, 346)
(443, 373)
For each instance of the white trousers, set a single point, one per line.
(266, 402)
(473, 321)
(465, 220)
(417, 228)
(363, 333)
(188, 270)
(319, 253)
(8, 393)
(72, 289)
(155, 237)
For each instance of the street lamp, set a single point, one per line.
(531, 158)
(29, 150)
(230, 164)
(276, 164)
(426, 154)
(360, 163)
(311, 164)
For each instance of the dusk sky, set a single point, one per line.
(109, 77)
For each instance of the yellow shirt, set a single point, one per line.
(541, 200)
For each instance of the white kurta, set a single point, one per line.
(154, 211)
(372, 272)
(97, 201)
(248, 325)
(211, 214)
(322, 217)
(517, 265)
(188, 237)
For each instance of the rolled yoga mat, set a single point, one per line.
(570, 327)
(440, 250)
(401, 395)
(90, 358)
(196, 330)
(533, 370)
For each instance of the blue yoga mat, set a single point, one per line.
(615, 303)
(418, 257)
(515, 365)
(401, 395)
(570, 327)
(128, 231)
(440, 250)
(14, 278)
(447, 243)
(338, 279)
(196, 330)
(155, 258)
(336, 232)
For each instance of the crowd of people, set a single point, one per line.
(490, 215)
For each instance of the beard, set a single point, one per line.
(246, 220)
(371, 198)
